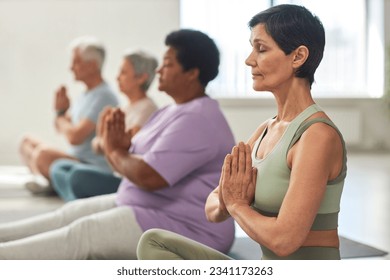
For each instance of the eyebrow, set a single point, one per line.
(258, 40)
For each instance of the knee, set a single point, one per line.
(68, 211)
(60, 167)
(23, 143)
(78, 181)
(150, 241)
(59, 171)
(26, 145)
(25, 140)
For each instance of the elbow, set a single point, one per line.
(283, 247)
(74, 139)
(148, 180)
(208, 211)
(283, 251)
(209, 217)
(214, 214)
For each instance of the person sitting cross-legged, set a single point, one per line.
(76, 121)
(72, 179)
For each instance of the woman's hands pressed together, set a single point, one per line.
(238, 179)
(114, 135)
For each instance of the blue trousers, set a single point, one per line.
(72, 180)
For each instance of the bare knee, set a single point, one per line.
(27, 145)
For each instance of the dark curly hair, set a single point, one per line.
(195, 50)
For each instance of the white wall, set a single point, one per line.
(34, 59)
(34, 35)
(364, 122)
(370, 133)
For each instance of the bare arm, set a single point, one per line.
(314, 153)
(215, 208)
(75, 134)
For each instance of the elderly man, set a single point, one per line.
(77, 123)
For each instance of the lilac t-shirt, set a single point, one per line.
(186, 144)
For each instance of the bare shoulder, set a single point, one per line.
(323, 130)
(323, 144)
(322, 134)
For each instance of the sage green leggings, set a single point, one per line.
(158, 244)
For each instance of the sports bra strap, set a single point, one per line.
(305, 125)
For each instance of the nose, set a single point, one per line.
(250, 61)
(73, 67)
(158, 69)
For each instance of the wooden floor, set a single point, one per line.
(365, 204)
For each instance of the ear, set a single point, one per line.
(92, 65)
(300, 56)
(193, 74)
(142, 78)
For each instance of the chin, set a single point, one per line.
(258, 88)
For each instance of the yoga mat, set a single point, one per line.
(245, 248)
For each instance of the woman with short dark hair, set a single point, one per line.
(284, 186)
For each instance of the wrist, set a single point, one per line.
(114, 151)
(61, 113)
(236, 207)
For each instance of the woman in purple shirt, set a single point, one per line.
(172, 165)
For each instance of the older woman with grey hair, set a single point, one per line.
(71, 179)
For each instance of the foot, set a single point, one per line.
(39, 187)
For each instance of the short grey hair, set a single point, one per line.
(142, 62)
(90, 49)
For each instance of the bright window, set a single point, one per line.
(353, 60)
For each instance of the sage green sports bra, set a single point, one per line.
(273, 177)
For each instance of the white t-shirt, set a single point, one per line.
(136, 114)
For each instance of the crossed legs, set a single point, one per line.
(38, 156)
(73, 180)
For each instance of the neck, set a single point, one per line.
(93, 81)
(190, 93)
(136, 95)
(293, 101)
